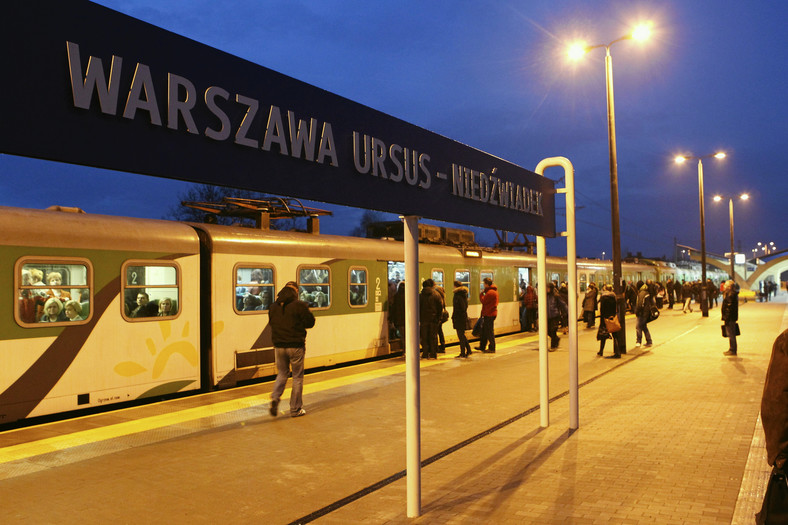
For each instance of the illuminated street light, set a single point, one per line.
(718, 198)
(680, 159)
(576, 52)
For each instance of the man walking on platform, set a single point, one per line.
(489, 298)
(289, 318)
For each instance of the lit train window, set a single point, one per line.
(437, 276)
(523, 277)
(314, 286)
(52, 291)
(463, 277)
(151, 290)
(583, 285)
(357, 287)
(484, 274)
(255, 288)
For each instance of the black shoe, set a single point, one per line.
(599, 354)
(274, 409)
(479, 348)
(729, 353)
(488, 351)
(614, 356)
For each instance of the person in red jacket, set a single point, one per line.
(489, 298)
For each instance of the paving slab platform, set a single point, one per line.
(668, 434)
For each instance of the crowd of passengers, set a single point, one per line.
(54, 304)
(50, 304)
(683, 293)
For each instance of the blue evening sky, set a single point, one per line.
(493, 74)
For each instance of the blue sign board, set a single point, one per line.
(87, 85)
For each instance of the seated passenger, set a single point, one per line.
(165, 308)
(73, 310)
(251, 302)
(321, 299)
(36, 277)
(53, 311)
(144, 308)
(356, 296)
(55, 279)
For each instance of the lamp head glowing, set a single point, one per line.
(642, 32)
(577, 50)
(717, 198)
(719, 155)
(680, 159)
(744, 196)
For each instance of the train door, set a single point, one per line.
(395, 274)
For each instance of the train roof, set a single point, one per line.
(73, 228)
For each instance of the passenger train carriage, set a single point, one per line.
(159, 307)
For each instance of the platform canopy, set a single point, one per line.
(87, 85)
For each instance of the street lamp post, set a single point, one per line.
(576, 51)
(718, 198)
(704, 303)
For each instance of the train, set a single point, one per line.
(100, 310)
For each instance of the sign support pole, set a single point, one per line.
(571, 260)
(412, 364)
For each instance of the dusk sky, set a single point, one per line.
(494, 75)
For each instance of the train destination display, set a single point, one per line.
(103, 89)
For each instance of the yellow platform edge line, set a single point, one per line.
(84, 437)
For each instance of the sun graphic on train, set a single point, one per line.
(160, 358)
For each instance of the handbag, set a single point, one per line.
(725, 330)
(444, 316)
(653, 314)
(612, 324)
(775, 500)
(477, 328)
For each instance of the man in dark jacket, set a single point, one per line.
(430, 310)
(459, 317)
(289, 318)
(643, 313)
(774, 404)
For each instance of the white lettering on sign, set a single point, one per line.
(372, 156)
(309, 139)
(489, 189)
(283, 132)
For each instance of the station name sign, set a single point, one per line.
(103, 89)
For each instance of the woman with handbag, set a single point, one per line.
(730, 315)
(609, 315)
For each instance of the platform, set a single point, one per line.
(668, 434)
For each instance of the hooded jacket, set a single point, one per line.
(289, 318)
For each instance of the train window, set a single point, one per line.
(357, 287)
(255, 288)
(151, 290)
(437, 276)
(484, 274)
(583, 284)
(52, 291)
(314, 286)
(463, 277)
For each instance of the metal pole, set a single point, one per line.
(541, 297)
(733, 268)
(571, 259)
(704, 304)
(412, 387)
(615, 221)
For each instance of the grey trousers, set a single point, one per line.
(285, 359)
